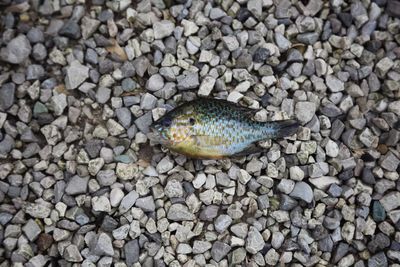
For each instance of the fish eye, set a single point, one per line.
(192, 121)
(166, 122)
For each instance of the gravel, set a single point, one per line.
(81, 182)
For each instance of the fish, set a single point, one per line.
(208, 128)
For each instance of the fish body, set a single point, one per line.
(213, 128)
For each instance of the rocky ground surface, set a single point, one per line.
(81, 81)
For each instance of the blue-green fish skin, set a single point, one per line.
(214, 128)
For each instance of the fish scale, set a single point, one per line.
(212, 128)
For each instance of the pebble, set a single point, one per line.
(71, 254)
(17, 50)
(132, 252)
(179, 212)
(219, 250)
(77, 185)
(103, 246)
(303, 192)
(7, 93)
(206, 86)
(334, 84)
(76, 74)
(163, 29)
(304, 111)
(188, 81)
(155, 83)
(254, 241)
(222, 223)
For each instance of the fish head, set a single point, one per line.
(174, 127)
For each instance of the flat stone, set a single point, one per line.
(334, 84)
(390, 201)
(200, 246)
(17, 50)
(206, 86)
(101, 204)
(187, 81)
(305, 111)
(163, 29)
(77, 185)
(179, 212)
(31, 230)
(302, 191)
(128, 201)
(219, 250)
(389, 162)
(103, 246)
(146, 204)
(7, 92)
(230, 42)
(255, 241)
(155, 83)
(72, 254)
(222, 223)
(126, 171)
(132, 252)
(76, 74)
(378, 260)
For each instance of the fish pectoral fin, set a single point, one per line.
(252, 149)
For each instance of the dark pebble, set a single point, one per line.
(71, 30)
(367, 176)
(243, 14)
(346, 19)
(261, 55)
(378, 212)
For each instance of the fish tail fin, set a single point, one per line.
(285, 128)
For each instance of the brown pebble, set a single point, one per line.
(382, 148)
(44, 241)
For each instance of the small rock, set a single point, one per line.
(254, 241)
(101, 204)
(302, 191)
(132, 252)
(179, 212)
(77, 185)
(31, 230)
(206, 86)
(7, 92)
(155, 83)
(103, 246)
(222, 223)
(17, 50)
(71, 254)
(305, 111)
(188, 81)
(165, 165)
(76, 74)
(230, 42)
(334, 84)
(173, 188)
(163, 29)
(71, 30)
(146, 204)
(219, 250)
(390, 201)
